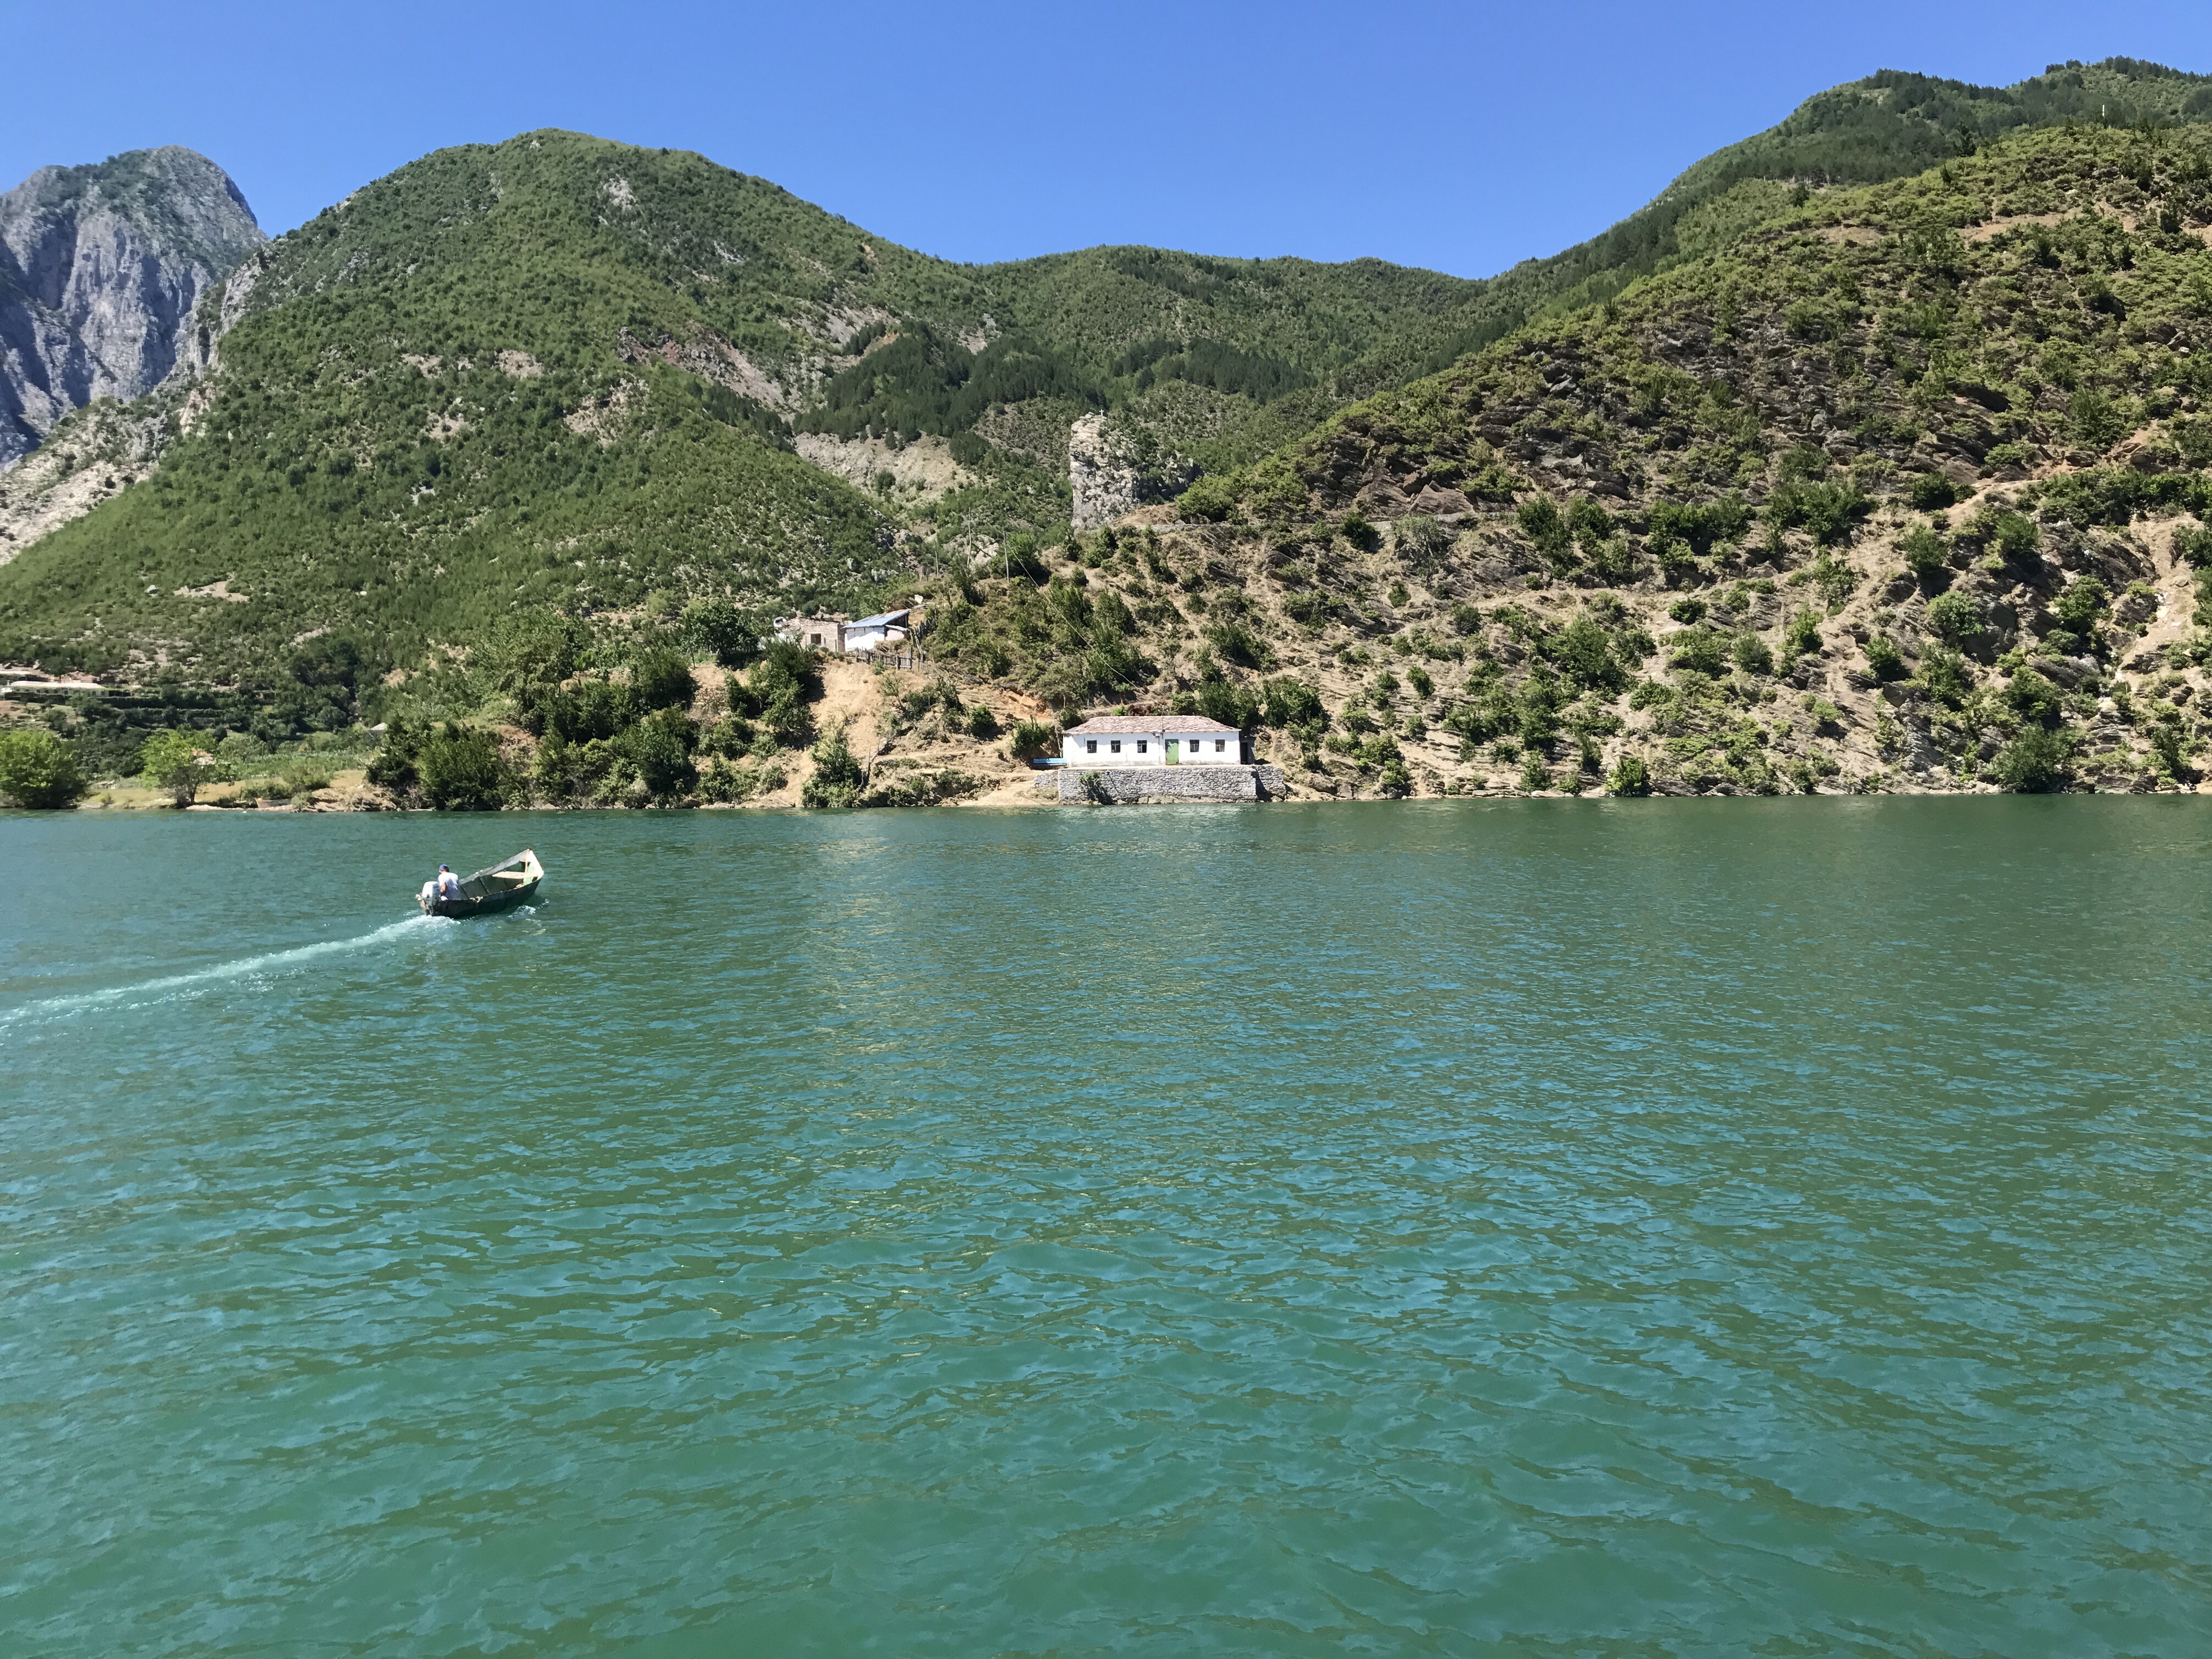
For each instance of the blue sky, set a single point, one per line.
(1459, 136)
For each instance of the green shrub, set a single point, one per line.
(1614, 561)
(1629, 776)
(723, 784)
(1884, 661)
(1700, 527)
(1801, 634)
(1218, 699)
(661, 746)
(1535, 774)
(783, 683)
(1210, 500)
(392, 765)
(1420, 540)
(1954, 618)
(2194, 547)
(460, 770)
(1687, 611)
(170, 761)
(2082, 606)
(1587, 523)
(2034, 761)
(837, 776)
(1676, 559)
(1922, 552)
(1931, 492)
(2033, 697)
(1943, 672)
(1541, 523)
(2170, 745)
(1698, 649)
(923, 789)
(1019, 557)
(554, 773)
(724, 632)
(982, 724)
(1827, 510)
(596, 708)
(1239, 645)
(1751, 654)
(2095, 419)
(1032, 739)
(1358, 531)
(2014, 536)
(38, 771)
(731, 736)
(1584, 651)
(661, 679)
(1288, 702)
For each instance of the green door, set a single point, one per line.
(1173, 759)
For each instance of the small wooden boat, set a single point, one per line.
(509, 882)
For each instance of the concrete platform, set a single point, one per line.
(1140, 786)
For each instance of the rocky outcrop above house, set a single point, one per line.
(101, 268)
(1101, 475)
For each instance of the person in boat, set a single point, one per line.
(443, 885)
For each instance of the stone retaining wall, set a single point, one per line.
(1136, 786)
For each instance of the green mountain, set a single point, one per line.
(1890, 125)
(565, 373)
(1906, 485)
(1871, 452)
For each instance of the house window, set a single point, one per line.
(1116, 745)
(1091, 745)
(1140, 746)
(1220, 744)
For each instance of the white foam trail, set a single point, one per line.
(268, 961)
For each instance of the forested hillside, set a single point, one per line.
(562, 372)
(1890, 125)
(1905, 487)
(1871, 456)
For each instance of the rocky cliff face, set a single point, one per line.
(101, 268)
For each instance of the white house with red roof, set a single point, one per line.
(1105, 741)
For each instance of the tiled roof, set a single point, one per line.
(1167, 724)
(888, 617)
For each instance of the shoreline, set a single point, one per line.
(1036, 799)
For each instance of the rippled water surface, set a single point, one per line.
(1772, 1228)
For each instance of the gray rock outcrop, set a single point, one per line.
(100, 269)
(1102, 474)
(1115, 463)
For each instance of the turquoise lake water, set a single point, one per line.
(1642, 1228)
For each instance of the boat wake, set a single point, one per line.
(270, 962)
